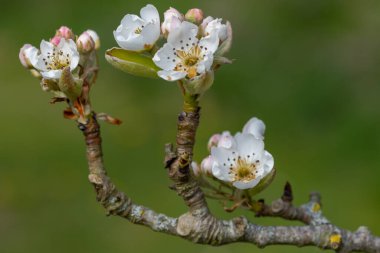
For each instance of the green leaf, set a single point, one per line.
(135, 63)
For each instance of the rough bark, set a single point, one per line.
(198, 224)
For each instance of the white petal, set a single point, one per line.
(256, 127)
(221, 173)
(46, 47)
(150, 14)
(150, 34)
(216, 26)
(185, 34)
(206, 63)
(268, 162)
(171, 75)
(249, 147)
(247, 185)
(130, 22)
(52, 74)
(224, 157)
(165, 56)
(31, 54)
(209, 43)
(133, 43)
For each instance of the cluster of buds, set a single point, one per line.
(66, 66)
(239, 160)
(193, 50)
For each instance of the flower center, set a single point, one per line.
(189, 61)
(138, 30)
(56, 60)
(243, 170)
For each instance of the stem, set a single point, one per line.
(179, 164)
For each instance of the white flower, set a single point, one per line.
(137, 34)
(172, 20)
(243, 165)
(53, 59)
(184, 56)
(211, 25)
(256, 127)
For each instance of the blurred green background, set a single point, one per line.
(309, 69)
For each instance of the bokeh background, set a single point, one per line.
(309, 69)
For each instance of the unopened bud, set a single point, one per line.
(226, 140)
(206, 165)
(55, 40)
(213, 141)
(25, 54)
(173, 20)
(65, 32)
(95, 38)
(194, 15)
(85, 43)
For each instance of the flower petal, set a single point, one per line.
(224, 157)
(171, 75)
(249, 147)
(150, 34)
(209, 43)
(256, 127)
(165, 56)
(52, 74)
(221, 173)
(247, 185)
(206, 63)
(46, 47)
(185, 34)
(149, 13)
(31, 54)
(268, 162)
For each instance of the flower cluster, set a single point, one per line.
(66, 67)
(194, 48)
(241, 159)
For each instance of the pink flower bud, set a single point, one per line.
(206, 165)
(65, 32)
(55, 40)
(213, 141)
(194, 15)
(95, 38)
(173, 19)
(85, 43)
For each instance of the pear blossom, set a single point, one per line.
(139, 33)
(256, 127)
(245, 164)
(53, 59)
(65, 32)
(186, 56)
(172, 20)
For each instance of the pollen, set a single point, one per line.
(188, 60)
(243, 170)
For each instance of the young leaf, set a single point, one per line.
(134, 63)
